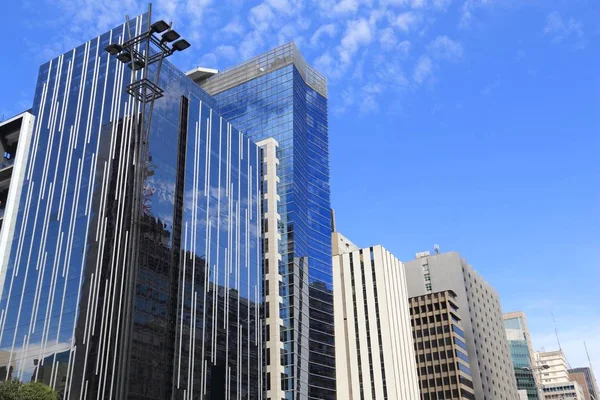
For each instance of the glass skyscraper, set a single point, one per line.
(521, 353)
(181, 322)
(277, 95)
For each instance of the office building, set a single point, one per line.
(563, 391)
(441, 350)
(481, 317)
(375, 359)
(585, 377)
(15, 138)
(105, 296)
(521, 352)
(277, 95)
(555, 367)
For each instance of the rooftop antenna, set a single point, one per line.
(556, 332)
(588, 354)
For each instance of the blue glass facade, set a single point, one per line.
(280, 104)
(183, 321)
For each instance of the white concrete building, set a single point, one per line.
(15, 145)
(272, 277)
(557, 370)
(375, 357)
(570, 390)
(481, 316)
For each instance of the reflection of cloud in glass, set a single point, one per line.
(28, 359)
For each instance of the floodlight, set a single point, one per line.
(159, 26)
(114, 48)
(169, 36)
(181, 45)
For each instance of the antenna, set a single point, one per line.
(588, 354)
(556, 331)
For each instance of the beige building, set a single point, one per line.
(481, 316)
(375, 359)
(441, 351)
(557, 370)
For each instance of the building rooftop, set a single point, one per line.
(262, 64)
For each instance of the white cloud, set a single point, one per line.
(443, 47)
(228, 52)
(262, 17)
(404, 48)
(196, 8)
(250, 45)
(423, 70)
(560, 29)
(418, 3)
(343, 7)
(441, 5)
(208, 60)
(284, 6)
(329, 30)
(234, 27)
(358, 33)
(406, 20)
(387, 38)
(467, 10)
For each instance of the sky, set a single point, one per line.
(471, 124)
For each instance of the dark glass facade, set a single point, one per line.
(277, 102)
(182, 321)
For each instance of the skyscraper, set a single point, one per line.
(481, 316)
(102, 301)
(374, 343)
(277, 95)
(521, 352)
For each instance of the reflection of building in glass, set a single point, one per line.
(585, 377)
(375, 358)
(277, 95)
(521, 352)
(441, 350)
(184, 322)
(480, 315)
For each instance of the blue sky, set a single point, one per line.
(472, 124)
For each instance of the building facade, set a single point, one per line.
(375, 359)
(555, 367)
(15, 140)
(277, 95)
(481, 316)
(563, 391)
(522, 355)
(585, 377)
(441, 350)
(102, 301)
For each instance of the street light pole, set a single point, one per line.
(139, 53)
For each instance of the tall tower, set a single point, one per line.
(77, 312)
(277, 95)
